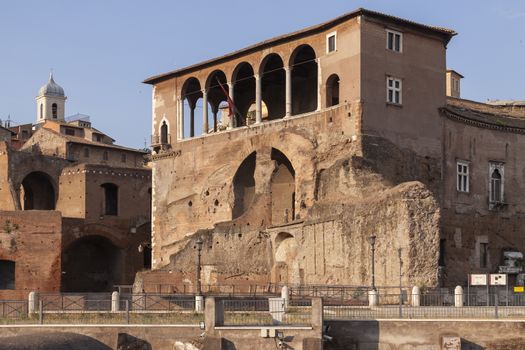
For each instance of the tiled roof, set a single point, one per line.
(445, 33)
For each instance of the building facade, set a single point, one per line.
(74, 207)
(337, 133)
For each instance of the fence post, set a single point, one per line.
(317, 313)
(32, 303)
(458, 296)
(199, 303)
(372, 297)
(115, 301)
(496, 302)
(416, 296)
(127, 311)
(285, 294)
(40, 312)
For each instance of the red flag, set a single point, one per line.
(231, 106)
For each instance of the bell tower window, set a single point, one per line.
(41, 111)
(54, 109)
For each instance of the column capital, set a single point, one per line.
(257, 76)
(204, 92)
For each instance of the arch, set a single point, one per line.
(37, 192)
(243, 80)
(244, 186)
(164, 133)
(54, 110)
(91, 264)
(110, 198)
(273, 87)
(285, 247)
(282, 189)
(332, 90)
(304, 79)
(191, 93)
(216, 95)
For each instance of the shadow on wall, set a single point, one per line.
(343, 337)
(129, 342)
(52, 341)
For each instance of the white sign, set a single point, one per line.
(498, 279)
(478, 280)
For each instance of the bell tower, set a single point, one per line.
(50, 102)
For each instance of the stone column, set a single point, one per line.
(317, 314)
(180, 126)
(115, 301)
(458, 296)
(204, 112)
(258, 99)
(319, 83)
(233, 122)
(285, 294)
(416, 297)
(192, 119)
(373, 297)
(288, 89)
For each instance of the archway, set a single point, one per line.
(273, 85)
(304, 80)
(244, 186)
(37, 192)
(91, 264)
(216, 86)
(191, 94)
(285, 254)
(332, 90)
(243, 91)
(282, 189)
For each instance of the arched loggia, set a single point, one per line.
(216, 89)
(37, 192)
(243, 92)
(191, 94)
(304, 80)
(273, 85)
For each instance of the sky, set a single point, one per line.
(100, 51)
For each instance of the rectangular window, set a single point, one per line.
(331, 42)
(123, 158)
(442, 243)
(7, 274)
(483, 255)
(462, 177)
(70, 131)
(393, 90)
(394, 40)
(496, 182)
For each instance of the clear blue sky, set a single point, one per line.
(101, 50)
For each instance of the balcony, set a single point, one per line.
(158, 140)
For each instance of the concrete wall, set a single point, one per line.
(424, 335)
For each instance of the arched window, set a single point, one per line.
(164, 133)
(273, 85)
(41, 111)
(304, 80)
(110, 199)
(54, 110)
(332, 91)
(496, 186)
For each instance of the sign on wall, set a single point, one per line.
(478, 279)
(498, 279)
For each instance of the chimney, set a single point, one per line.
(453, 83)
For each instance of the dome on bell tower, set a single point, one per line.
(51, 88)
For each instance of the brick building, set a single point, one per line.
(74, 207)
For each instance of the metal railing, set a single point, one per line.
(266, 312)
(431, 306)
(158, 140)
(13, 311)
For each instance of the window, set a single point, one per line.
(98, 138)
(110, 199)
(483, 255)
(393, 90)
(332, 91)
(105, 155)
(164, 133)
(25, 134)
(394, 40)
(70, 132)
(7, 274)
(331, 42)
(41, 111)
(54, 109)
(123, 158)
(496, 183)
(442, 244)
(463, 176)
(86, 152)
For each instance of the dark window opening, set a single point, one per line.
(331, 43)
(164, 133)
(244, 186)
(7, 274)
(70, 132)
(483, 255)
(86, 152)
(147, 257)
(496, 192)
(304, 80)
(105, 155)
(332, 91)
(25, 134)
(54, 110)
(41, 111)
(37, 192)
(110, 199)
(98, 138)
(123, 158)
(282, 189)
(442, 243)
